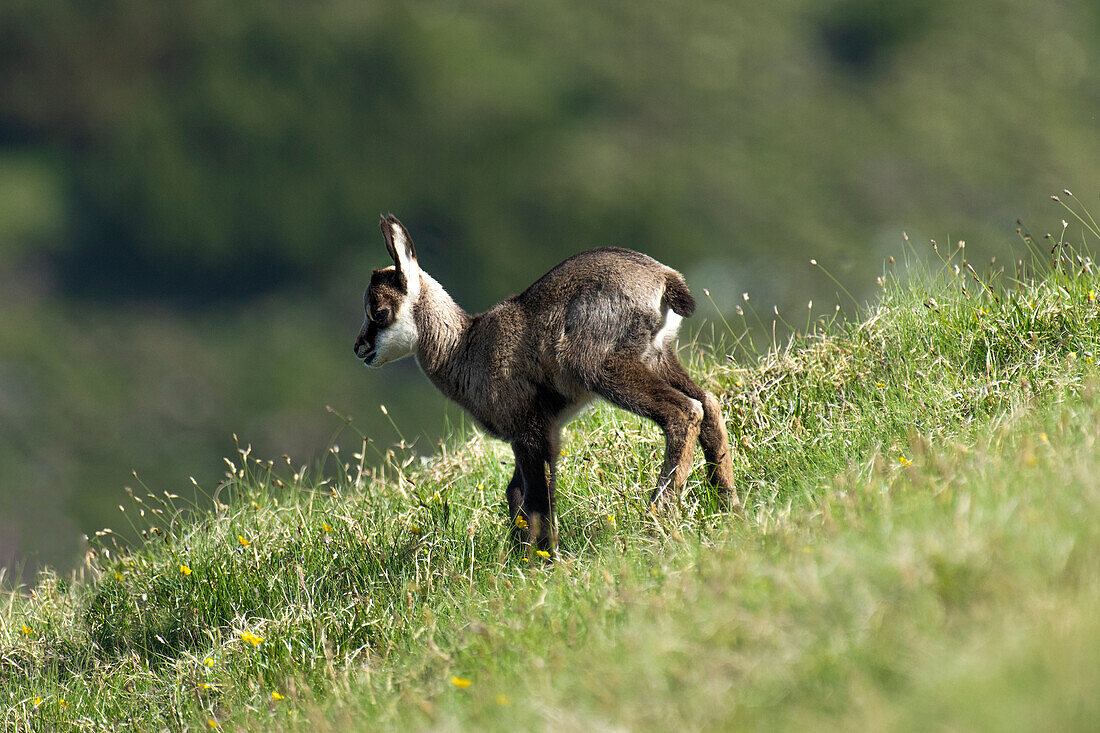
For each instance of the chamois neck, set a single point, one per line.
(442, 324)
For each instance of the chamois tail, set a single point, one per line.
(677, 296)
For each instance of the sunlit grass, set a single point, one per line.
(917, 548)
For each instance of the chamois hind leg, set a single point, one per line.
(535, 466)
(626, 382)
(712, 433)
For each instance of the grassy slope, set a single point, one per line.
(919, 546)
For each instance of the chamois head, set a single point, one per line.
(389, 330)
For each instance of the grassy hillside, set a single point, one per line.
(919, 546)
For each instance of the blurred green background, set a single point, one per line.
(189, 193)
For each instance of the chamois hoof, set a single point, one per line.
(534, 536)
(728, 500)
(543, 535)
(662, 503)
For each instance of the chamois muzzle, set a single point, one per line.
(363, 351)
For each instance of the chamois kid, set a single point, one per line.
(602, 323)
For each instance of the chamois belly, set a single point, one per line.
(507, 416)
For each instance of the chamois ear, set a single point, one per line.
(399, 245)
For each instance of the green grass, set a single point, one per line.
(919, 548)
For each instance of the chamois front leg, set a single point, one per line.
(514, 495)
(534, 465)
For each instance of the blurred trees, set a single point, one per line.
(213, 145)
(214, 148)
(219, 148)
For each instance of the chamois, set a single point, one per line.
(602, 323)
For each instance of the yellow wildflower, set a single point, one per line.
(37, 701)
(243, 542)
(276, 696)
(610, 518)
(461, 683)
(63, 703)
(209, 661)
(212, 723)
(521, 522)
(1092, 295)
(543, 554)
(205, 685)
(326, 526)
(185, 570)
(118, 576)
(904, 461)
(880, 384)
(26, 629)
(251, 638)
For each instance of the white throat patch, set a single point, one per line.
(399, 339)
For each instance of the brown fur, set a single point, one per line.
(527, 364)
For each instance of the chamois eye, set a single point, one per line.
(382, 316)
